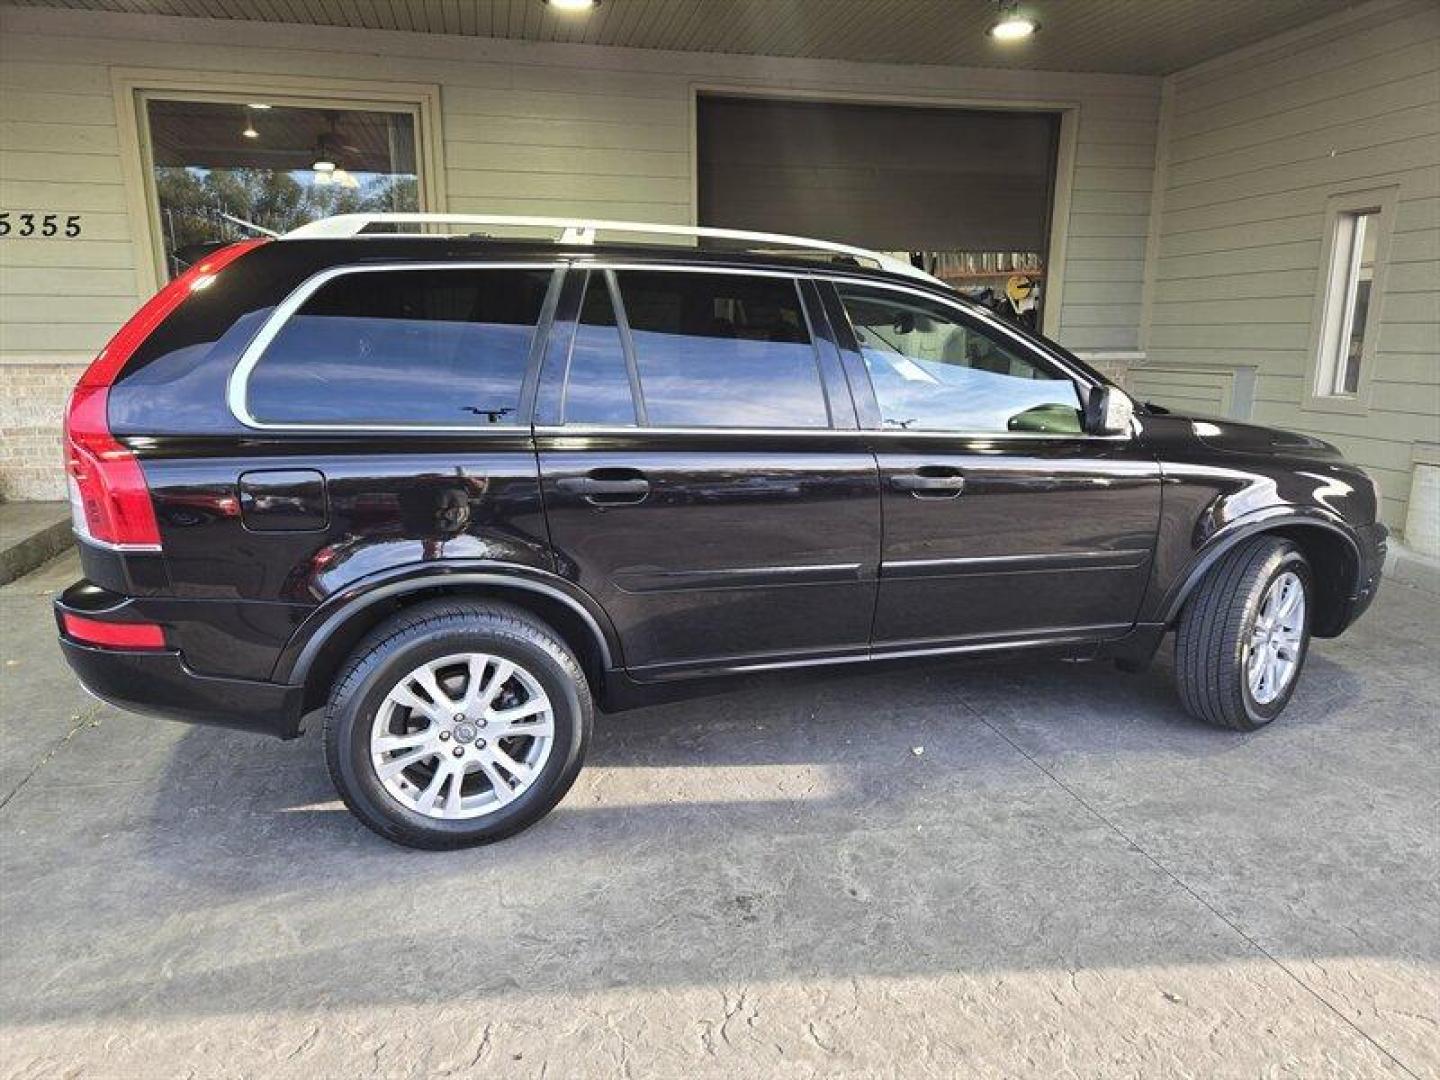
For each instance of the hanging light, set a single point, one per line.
(249, 132)
(1010, 24)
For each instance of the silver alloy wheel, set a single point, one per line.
(1276, 638)
(462, 736)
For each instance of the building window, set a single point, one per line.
(1347, 301)
(225, 170)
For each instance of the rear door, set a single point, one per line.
(701, 469)
(1003, 518)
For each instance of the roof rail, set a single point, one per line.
(583, 231)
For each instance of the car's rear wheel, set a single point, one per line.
(457, 724)
(1244, 635)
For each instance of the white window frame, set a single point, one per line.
(133, 87)
(1335, 297)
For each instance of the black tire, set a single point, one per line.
(427, 632)
(1212, 641)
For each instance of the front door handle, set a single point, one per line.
(930, 482)
(607, 487)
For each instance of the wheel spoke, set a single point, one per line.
(425, 676)
(474, 682)
(502, 674)
(532, 707)
(396, 765)
(425, 803)
(540, 729)
(503, 791)
(387, 744)
(403, 695)
(453, 796)
(517, 769)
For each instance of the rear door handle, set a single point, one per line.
(606, 488)
(929, 485)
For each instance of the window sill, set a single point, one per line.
(1349, 405)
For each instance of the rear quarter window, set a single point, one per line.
(439, 347)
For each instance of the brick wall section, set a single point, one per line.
(32, 405)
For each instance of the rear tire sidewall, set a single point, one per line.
(353, 720)
(1287, 561)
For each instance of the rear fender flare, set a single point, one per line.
(309, 641)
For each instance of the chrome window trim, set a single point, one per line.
(237, 387)
(554, 430)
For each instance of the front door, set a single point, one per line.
(1003, 519)
(702, 473)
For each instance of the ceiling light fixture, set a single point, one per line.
(257, 105)
(572, 5)
(1010, 24)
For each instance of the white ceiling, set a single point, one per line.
(1144, 37)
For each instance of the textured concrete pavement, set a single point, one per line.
(1072, 879)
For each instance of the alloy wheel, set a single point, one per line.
(1276, 639)
(462, 736)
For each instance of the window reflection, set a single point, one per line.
(722, 350)
(411, 347)
(933, 372)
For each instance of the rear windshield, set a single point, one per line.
(406, 347)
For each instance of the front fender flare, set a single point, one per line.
(1241, 529)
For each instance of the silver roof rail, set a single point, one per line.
(582, 231)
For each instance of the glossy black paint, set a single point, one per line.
(664, 554)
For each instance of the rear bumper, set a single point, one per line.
(159, 683)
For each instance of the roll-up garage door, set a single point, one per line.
(967, 191)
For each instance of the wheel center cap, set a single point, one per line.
(466, 732)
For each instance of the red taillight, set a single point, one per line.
(114, 635)
(108, 497)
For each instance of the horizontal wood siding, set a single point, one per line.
(1256, 146)
(537, 129)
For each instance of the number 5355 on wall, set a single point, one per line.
(26, 223)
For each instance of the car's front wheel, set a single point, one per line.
(1244, 634)
(457, 724)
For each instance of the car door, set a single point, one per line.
(1003, 519)
(700, 472)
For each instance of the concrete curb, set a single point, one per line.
(33, 542)
(1411, 568)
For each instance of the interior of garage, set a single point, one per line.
(964, 194)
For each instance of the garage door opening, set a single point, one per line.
(963, 193)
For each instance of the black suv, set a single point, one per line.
(459, 492)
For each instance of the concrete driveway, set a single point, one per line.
(1072, 879)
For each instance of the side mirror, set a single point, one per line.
(1109, 412)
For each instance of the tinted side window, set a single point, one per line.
(597, 387)
(403, 347)
(722, 350)
(932, 371)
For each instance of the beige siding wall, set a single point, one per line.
(1257, 143)
(553, 129)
